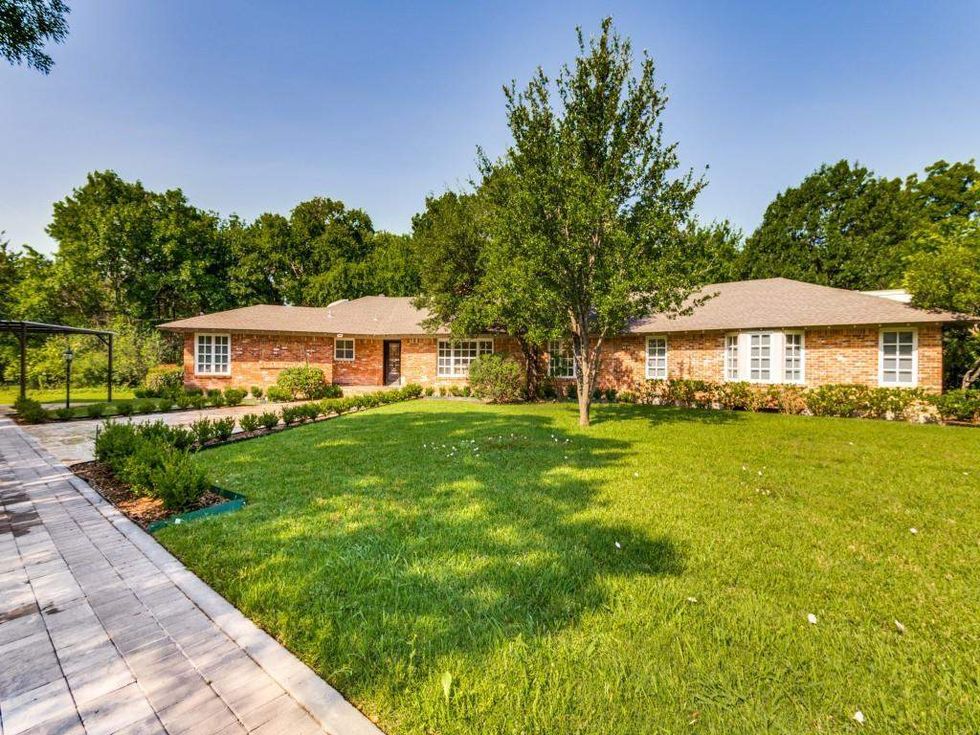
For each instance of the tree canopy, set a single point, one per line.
(26, 26)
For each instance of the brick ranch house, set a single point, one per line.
(763, 331)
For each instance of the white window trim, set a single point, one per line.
(197, 347)
(646, 357)
(802, 379)
(914, 331)
(452, 342)
(738, 357)
(777, 357)
(353, 349)
(551, 351)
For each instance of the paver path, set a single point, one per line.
(102, 631)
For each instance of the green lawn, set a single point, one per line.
(652, 574)
(9, 394)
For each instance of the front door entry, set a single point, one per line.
(393, 361)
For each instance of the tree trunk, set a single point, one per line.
(532, 367)
(584, 397)
(971, 375)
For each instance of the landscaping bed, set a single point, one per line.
(140, 509)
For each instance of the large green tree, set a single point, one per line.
(944, 273)
(587, 201)
(842, 226)
(26, 26)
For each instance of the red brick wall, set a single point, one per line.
(832, 355)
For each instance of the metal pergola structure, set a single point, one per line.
(23, 329)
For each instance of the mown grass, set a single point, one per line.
(10, 393)
(652, 574)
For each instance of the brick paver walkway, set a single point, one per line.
(102, 631)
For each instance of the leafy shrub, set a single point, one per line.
(256, 391)
(836, 400)
(164, 380)
(571, 392)
(124, 408)
(234, 396)
(147, 405)
(610, 394)
(249, 422)
(429, 390)
(178, 481)
(497, 379)
(30, 411)
(64, 413)
(164, 405)
(183, 401)
(193, 390)
(217, 400)
(304, 382)
(212, 392)
(627, 396)
(95, 410)
(203, 430)
(114, 442)
(197, 401)
(223, 428)
(137, 468)
(411, 390)
(269, 419)
(548, 389)
(958, 405)
(277, 394)
(291, 415)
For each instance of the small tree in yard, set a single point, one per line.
(588, 218)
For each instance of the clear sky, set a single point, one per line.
(255, 106)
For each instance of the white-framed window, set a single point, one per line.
(898, 357)
(561, 361)
(656, 358)
(731, 357)
(760, 357)
(793, 357)
(343, 349)
(212, 354)
(455, 355)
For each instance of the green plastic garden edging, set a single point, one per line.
(234, 502)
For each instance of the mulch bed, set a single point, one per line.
(141, 510)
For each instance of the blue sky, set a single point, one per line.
(255, 106)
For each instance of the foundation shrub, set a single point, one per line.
(95, 410)
(958, 405)
(305, 382)
(277, 394)
(203, 430)
(256, 391)
(114, 442)
(166, 380)
(234, 396)
(269, 419)
(249, 422)
(223, 428)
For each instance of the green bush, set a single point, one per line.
(571, 392)
(610, 394)
(234, 396)
(217, 400)
(269, 419)
(249, 422)
(193, 390)
(278, 395)
(64, 413)
(124, 408)
(95, 410)
(183, 401)
(837, 400)
(429, 390)
(164, 404)
(136, 469)
(114, 442)
(197, 401)
(178, 481)
(212, 392)
(203, 430)
(30, 411)
(291, 415)
(223, 428)
(164, 380)
(497, 378)
(256, 391)
(305, 382)
(147, 405)
(958, 405)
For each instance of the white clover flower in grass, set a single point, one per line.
(913, 531)
(900, 628)
(811, 618)
(618, 545)
(859, 717)
(692, 600)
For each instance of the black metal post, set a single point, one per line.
(68, 382)
(109, 386)
(23, 361)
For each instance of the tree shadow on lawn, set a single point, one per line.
(389, 550)
(664, 414)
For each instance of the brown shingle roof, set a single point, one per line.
(761, 304)
(780, 302)
(368, 316)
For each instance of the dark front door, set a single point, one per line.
(393, 361)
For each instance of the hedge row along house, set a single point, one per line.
(771, 330)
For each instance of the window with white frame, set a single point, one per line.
(793, 357)
(343, 349)
(731, 357)
(760, 357)
(897, 357)
(212, 354)
(656, 358)
(561, 362)
(455, 356)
